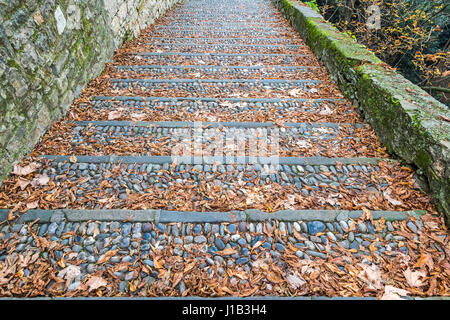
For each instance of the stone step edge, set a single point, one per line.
(117, 80)
(165, 216)
(156, 66)
(290, 46)
(184, 38)
(317, 161)
(190, 26)
(219, 11)
(218, 54)
(231, 18)
(235, 31)
(206, 99)
(205, 124)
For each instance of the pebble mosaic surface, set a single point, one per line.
(128, 250)
(215, 109)
(198, 85)
(293, 140)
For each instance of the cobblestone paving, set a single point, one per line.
(125, 249)
(100, 208)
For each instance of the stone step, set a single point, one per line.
(224, 14)
(226, 72)
(222, 48)
(201, 11)
(230, 18)
(184, 58)
(227, 33)
(127, 242)
(267, 41)
(215, 109)
(221, 27)
(235, 9)
(299, 128)
(227, 5)
(311, 217)
(179, 23)
(345, 165)
(195, 138)
(222, 87)
(117, 181)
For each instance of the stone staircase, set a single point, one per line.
(215, 147)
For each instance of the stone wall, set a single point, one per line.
(49, 50)
(410, 123)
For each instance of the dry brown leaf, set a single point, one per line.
(33, 205)
(227, 251)
(189, 267)
(40, 180)
(113, 115)
(273, 277)
(69, 273)
(387, 194)
(23, 171)
(325, 111)
(157, 264)
(96, 282)
(22, 183)
(137, 116)
(295, 280)
(414, 277)
(426, 259)
(371, 275)
(393, 293)
(295, 92)
(108, 255)
(177, 278)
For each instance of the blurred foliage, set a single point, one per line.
(413, 37)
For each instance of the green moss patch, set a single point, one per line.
(409, 122)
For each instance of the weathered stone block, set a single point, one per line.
(49, 50)
(406, 119)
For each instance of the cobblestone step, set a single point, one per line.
(267, 11)
(100, 244)
(225, 72)
(156, 127)
(216, 109)
(227, 33)
(261, 41)
(228, 9)
(230, 18)
(184, 58)
(219, 87)
(224, 27)
(222, 48)
(177, 23)
(236, 138)
(235, 216)
(157, 177)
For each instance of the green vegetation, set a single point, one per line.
(313, 5)
(413, 36)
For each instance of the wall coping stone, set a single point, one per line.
(408, 121)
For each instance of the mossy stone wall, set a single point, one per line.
(409, 122)
(49, 50)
